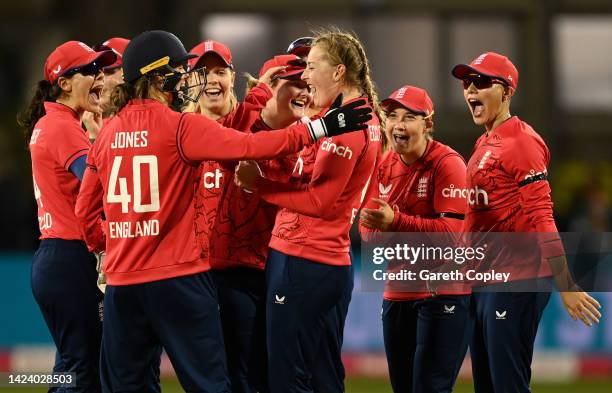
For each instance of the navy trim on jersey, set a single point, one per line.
(74, 154)
(533, 179)
(456, 216)
(78, 167)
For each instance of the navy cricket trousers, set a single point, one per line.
(505, 327)
(64, 285)
(425, 342)
(300, 296)
(328, 375)
(242, 303)
(182, 315)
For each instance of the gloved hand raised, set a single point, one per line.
(341, 119)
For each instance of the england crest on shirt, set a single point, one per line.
(422, 187)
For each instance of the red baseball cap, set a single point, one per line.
(75, 54)
(210, 46)
(489, 64)
(117, 45)
(412, 98)
(295, 66)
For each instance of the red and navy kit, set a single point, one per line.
(243, 225)
(315, 217)
(57, 141)
(213, 175)
(508, 189)
(145, 163)
(429, 194)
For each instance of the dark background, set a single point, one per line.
(563, 50)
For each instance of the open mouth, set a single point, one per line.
(400, 138)
(476, 106)
(213, 92)
(298, 104)
(94, 94)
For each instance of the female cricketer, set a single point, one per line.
(508, 191)
(425, 334)
(63, 271)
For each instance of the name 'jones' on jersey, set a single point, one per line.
(140, 164)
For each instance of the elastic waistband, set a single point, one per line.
(76, 244)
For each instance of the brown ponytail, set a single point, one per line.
(27, 118)
(124, 92)
(345, 48)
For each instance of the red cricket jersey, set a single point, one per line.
(508, 190)
(243, 225)
(315, 217)
(432, 185)
(57, 141)
(213, 175)
(144, 163)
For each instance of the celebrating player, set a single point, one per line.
(308, 266)
(63, 271)
(509, 192)
(426, 336)
(241, 232)
(144, 164)
(113, 75)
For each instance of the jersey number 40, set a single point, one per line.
(124, 196)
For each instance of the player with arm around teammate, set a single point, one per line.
(144, 164)
(308, 266)
(509, 192)
(425, 334)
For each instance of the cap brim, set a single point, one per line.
(388, 101)
(105, 58)
(289, 75)
(101, 60)
(460, 71)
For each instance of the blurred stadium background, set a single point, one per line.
(562, 48)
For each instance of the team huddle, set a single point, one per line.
(223, 225)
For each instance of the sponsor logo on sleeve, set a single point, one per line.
(339, 150)
(453, 192)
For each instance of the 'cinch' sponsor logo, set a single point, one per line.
(339, 150)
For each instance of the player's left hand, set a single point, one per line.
(581, 305)
(93, 123)
(267, 76)
(380, 218)
(246, 174)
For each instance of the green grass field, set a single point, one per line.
(382, 386)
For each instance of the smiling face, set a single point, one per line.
(290, 99)
(216, 100)
(487, 104)
(407, 131)
(322, 77)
